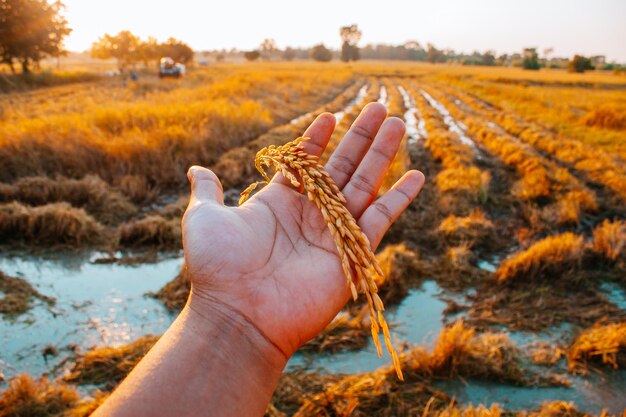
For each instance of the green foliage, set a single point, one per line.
(31, 30)
(531, 59)
(579, 64)
(321, 53)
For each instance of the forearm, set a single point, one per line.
(211, 361)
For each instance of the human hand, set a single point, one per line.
(272, 261)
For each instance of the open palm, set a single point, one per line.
(272, 260)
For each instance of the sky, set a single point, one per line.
(569, 26)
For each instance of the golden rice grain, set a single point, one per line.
(358, 261)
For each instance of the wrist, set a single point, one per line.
(230, 330)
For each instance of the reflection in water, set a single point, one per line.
(416, 320)
(415, 125)
(356, 101)
(100, 304)
(96, 305)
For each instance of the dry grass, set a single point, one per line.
(472, 230)
(18, 295)
(459, 352)
(402, 270)
(292, 389)
(552, 257)
(152, 129)
(359, 263)
(609, 240)
(153, 231)
(345, 332)
(605, 117)
(90, 193)
(233, 167)
(36, 398)
(48, 225)
(109, 365)
(138, 189)
(470, 411)
(544, 353)
(603, 343)
(87, 406)
(590, 151)
(175, 293)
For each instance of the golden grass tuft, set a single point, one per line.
(609, 239)
(472, 229)
(603, 343)
(401, 269)
(551, 257)
(544, 353)
(359, 263)
(90, 193)
(137, 189)
(36, 398)
(49, 225)
(18, 295)
(570, 207)
(87, 406)
(153, 231)
(470, 411)
(605, 117)
(110, 365)
(459, 352)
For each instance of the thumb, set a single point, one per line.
(205, 186)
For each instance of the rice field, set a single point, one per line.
(505, 280)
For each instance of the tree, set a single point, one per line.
(268, 47)
(31, 30)
(149, 51)
(350, 35)
(177, 50)
(252, 55)
(488, 58)
(289, 54)
(124, 47)
(531, 59)
(321, 53)
(434, 55)
(579, 64)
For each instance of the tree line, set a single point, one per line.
(31, 30)
(129, 49)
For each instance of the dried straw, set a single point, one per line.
(358, 261)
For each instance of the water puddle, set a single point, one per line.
(415, 125)
(614, 293)
(357, 100)
(417, 320)
(383, 98)
(453, 125)
(97, 304)
(309, 115)
(592, 394)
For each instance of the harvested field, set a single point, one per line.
(505, 283)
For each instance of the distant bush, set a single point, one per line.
(252, 55)
(579, 64)
(321, 53)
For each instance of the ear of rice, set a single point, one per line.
(357, 258)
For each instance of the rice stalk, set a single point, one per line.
(358, 261)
